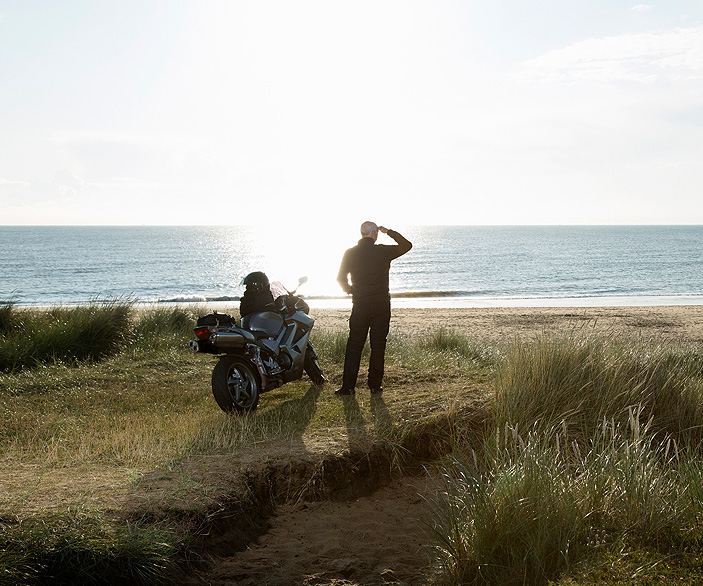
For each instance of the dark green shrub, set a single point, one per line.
(164, 322)
(6, 318)
(65, 334)
(78, 549)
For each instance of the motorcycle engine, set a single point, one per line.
(272, 367)
(276, 364)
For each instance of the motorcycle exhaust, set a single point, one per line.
(228, 340)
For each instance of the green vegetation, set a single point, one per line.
(575, 460)
(79, 548)
(534, 508)
(581, 380)
(82, 392)
(595, 459)
(84, 435)
(445, 342)
(61, 334)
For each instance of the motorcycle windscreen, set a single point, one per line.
(267, 321)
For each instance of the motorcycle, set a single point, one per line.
(269, 349)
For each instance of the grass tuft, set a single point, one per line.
(6, 317)
(165, 324)
(82, 548)
(596, 452)
(585, 380)
(444, 341)
(64, 335)
(332, 345)
(532, 508)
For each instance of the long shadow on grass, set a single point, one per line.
(223, 454)
(382, 420)
(356, 426)
(297, 413)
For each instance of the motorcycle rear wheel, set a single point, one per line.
(235, 385)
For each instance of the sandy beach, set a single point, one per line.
(681, 323)
(494, 324)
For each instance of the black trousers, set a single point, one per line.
(368, 317)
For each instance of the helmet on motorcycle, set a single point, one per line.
(255, 281)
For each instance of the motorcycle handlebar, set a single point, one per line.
(288, 304)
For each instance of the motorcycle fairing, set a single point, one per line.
(265, 322)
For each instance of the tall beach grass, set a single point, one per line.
(29, 338)
(533, 508)
(596, 451)
(582, 380)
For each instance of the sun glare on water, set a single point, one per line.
(286, 254)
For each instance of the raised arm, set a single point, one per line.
(404, 245)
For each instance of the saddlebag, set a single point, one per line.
(217, 319)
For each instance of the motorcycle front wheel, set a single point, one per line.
(312, 368)
(235, 385)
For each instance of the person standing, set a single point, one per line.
(368, 264)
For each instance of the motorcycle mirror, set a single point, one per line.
(302, 280)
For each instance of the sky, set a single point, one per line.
(318, 114)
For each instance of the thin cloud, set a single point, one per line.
(7, 183)
(640, 58)
(63, 185)
(642, 8)
(67, 183)
(12, 191)
(98, 139)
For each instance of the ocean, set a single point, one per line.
(449, 266)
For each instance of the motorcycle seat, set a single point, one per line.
(264, 324)
(258, 334)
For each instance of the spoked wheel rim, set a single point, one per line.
(241, 386)
(235, 384)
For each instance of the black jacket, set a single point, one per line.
(255, 301)
(368, 264)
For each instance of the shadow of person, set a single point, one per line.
(356, 426)
(221, 479)
(225, 446)
(297, 413)
(382, 420)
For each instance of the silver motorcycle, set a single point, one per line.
(269, 348)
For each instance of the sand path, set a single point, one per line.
(378, 539)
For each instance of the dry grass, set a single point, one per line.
(137, 435)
